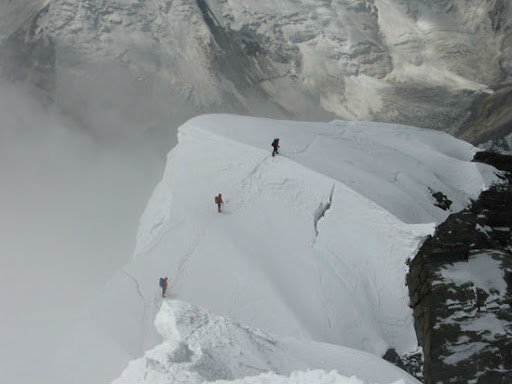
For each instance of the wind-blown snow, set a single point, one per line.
(199, 347)
(311, 243)
(485, 273)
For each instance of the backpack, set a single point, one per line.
(216, 199)
(275, 143)
(162, 282)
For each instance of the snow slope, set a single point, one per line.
(311, 243)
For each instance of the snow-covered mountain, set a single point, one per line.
(311, 244)
(440, 64)
(118, 77)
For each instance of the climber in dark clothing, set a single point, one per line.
(275, 144)
(163, 285)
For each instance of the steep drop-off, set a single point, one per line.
(460, 284)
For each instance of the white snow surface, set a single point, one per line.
(311, 244)
(199, 347)
(483, 272)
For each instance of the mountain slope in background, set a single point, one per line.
(312, 243)
(157, 63)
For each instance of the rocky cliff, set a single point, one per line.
(460, 285)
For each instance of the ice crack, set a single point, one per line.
(137, 287)
(321, 210)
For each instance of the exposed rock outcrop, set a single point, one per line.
(460, 285)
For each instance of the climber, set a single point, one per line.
(163, 284)
(219, 202)
(275, 144)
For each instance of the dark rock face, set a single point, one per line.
(490, 117)
(412, 363)
(497, 160)
(460, 285)
(240, 55)
(442, 201)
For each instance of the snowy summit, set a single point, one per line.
(310, 247)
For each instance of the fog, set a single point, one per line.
(83, 143)
(71, 199)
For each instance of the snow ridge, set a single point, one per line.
(311, 243)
